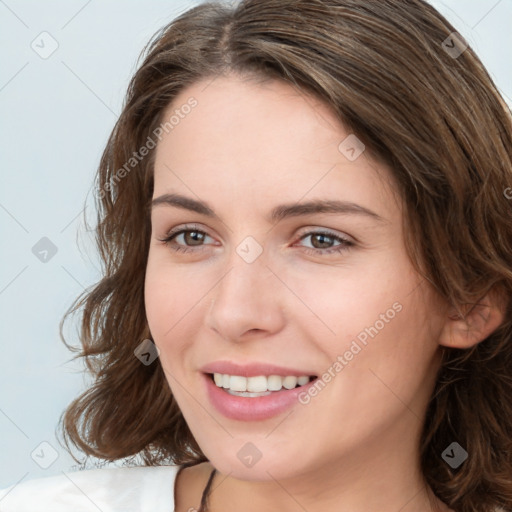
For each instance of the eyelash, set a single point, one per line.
(344, 245)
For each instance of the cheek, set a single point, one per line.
(354, 304)
(373, 383)
(175, 303)
(381, 320)
(167, 299)
(396, 362)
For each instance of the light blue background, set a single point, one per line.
(56, 115)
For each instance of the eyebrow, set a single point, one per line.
(277, 214)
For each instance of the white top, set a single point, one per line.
(123, 489)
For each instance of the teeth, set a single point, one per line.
(289, 382)
(247, 394)
(302, 380)
(274, 383)
(217, 377)
(257, 386)
(237, 383)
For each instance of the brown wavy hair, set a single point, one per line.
(440, 124)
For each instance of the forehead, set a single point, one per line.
(230, 107)
(263, 139)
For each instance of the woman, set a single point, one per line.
(308, 268)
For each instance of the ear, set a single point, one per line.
(480, 320)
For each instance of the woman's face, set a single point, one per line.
(260, 290)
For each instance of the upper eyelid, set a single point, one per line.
(179, 229)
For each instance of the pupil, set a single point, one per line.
(194, 236)
(323, 239)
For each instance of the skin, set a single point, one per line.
(245, 148)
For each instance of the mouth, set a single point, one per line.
(255, 398)
(258, 386)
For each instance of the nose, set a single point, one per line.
(247, 301)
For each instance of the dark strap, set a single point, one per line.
(204, 498)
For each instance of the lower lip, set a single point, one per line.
(252, 409)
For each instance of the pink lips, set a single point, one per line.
(252, 370)
(257, 408)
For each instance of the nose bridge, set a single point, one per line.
(246, 297)
(247, 263)
(247, 276)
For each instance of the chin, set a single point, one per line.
(276, 465)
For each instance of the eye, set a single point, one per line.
(191, 236)
(188, 234)
(322, 242)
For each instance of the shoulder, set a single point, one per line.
(146, 488)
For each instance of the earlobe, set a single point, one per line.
(480, 320)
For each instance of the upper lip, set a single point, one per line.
(252, 369)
